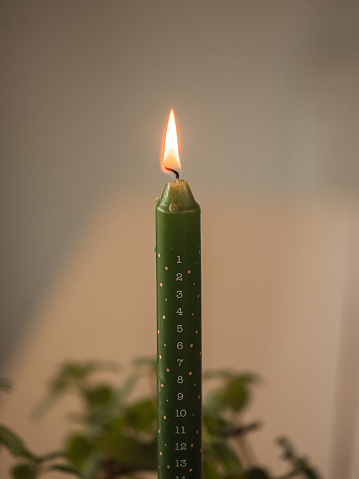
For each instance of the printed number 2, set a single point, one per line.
(179, 277)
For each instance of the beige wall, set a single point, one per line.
(267, 109)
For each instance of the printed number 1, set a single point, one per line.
(178, 259)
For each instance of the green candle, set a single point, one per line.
(179, 370)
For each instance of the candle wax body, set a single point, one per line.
(179, 364)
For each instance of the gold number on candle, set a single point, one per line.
(180, 430)
(180, 446)
(179, 312)
(179, 277)
(180, 413)
(180, 463)
(180, 361)
(179, 345)
(180, 379)
(179, 396)
(179, 328)
(178, 259)
(179, 294)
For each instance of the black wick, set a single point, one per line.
(173, 171)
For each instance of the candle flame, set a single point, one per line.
(171, 155)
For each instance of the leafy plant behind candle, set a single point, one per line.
(116, 430)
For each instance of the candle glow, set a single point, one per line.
(170, 157)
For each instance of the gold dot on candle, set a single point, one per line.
(165, 344)
(160, 453)
(195, 384)
(165, 445)
(199, 396)
(158, 331)
(162, 385)
(190, 469)
(168, 370)
(199, 251)
(159, 431)
(164, 417)
(197, 431)
(189, 271)
(166, 400)
(159, 255)
(192, 314)
(165, 299)
(194, 284)
(190, 373)
(166, 268)
(164, 317)
(160, 356)
(196, 331)
(161, 285)
(197, 295)
(168, 466)
(200, 353)
(191, 345)
(192, 445)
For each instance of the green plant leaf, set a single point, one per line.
(98, 397)
(5, 385)
(288, 451)
(23, 471)
(310, 473)
(65, 468)
(52, 455)
(142, 415)
(214, 403)
(257, 473)
(222, 453)
(127, 387)
(210, 470)
(235, 394)
(78, 449)
(214, 424)
(127, 451)
(14, 443)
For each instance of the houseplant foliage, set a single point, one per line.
(116, 430)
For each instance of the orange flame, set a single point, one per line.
(171, 155)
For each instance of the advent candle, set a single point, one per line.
(179, 364)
